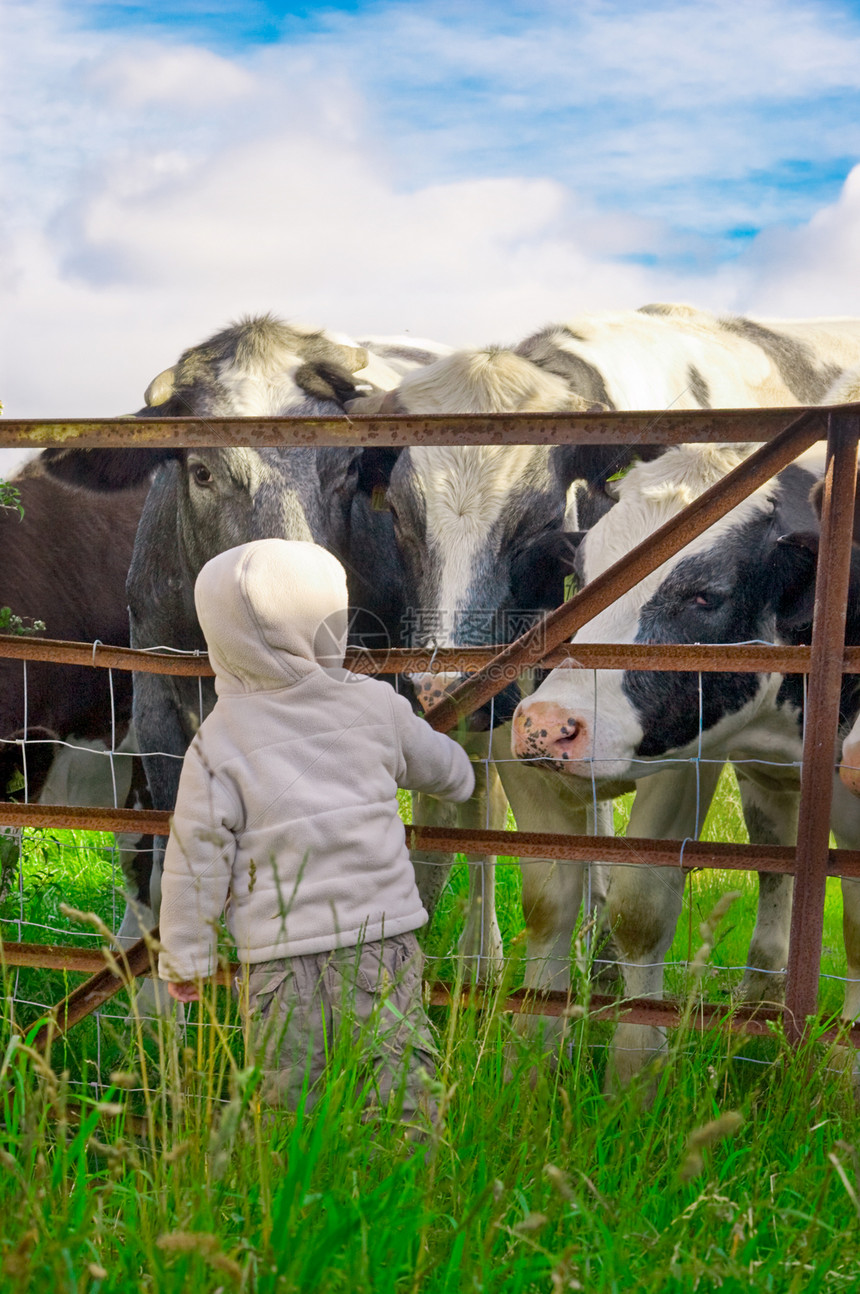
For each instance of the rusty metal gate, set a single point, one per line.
(783, 433)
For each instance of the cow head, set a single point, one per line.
(259, 367)
(615, 725)
(481, 528)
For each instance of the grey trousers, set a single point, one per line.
(300, 1011)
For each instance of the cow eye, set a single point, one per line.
(709, 601)
(201, 474)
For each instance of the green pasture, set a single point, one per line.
(139, 1159)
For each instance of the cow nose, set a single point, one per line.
(545, 730)
(431, 688)
(849, 768)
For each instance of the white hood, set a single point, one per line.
(272, 611)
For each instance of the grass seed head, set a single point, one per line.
(530, 1223)
(121, 1078)
(177, 1152)
(559, 1182)
(709, 926)
(204, 1244)
(186, 1242)
(708, 1135)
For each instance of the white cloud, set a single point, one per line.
(158, 189)
(185, 79)
(813, 269)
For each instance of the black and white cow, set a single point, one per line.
(203, 501)
(481, 534)
(474, 524)
(595, 726)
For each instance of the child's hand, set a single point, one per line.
(186, 991)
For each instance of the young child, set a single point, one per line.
(287, 813)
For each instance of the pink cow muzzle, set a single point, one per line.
(544, 730)
(430, 689)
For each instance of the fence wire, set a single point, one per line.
(51, 868)
(32, 908)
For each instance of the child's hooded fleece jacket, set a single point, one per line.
(287, 800)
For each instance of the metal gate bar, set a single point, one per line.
(626, 427)
(630, 850)
(710, 657)
(784, 444)
(822, 722)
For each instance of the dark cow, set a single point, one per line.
(793, 578)
(65, 562)
(203, 501)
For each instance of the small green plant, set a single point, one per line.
(10, 497)
(12, 624)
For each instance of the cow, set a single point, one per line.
(480, 530)
(656, 357)
(65, 561)
(202, 501)
(66, 558)
(446, 505)
(726, 586)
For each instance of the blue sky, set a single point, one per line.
(468, 172)
(560, 89)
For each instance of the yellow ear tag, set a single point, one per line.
(379, 499)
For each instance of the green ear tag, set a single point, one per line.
(379, 499)
(622, 472)
(570, 589)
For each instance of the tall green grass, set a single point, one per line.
(138, 1159)
(728, 1177)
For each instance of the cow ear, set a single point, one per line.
(374, 472)
(106, 469)
(596, 464)
(792, 578)
(326, 381)
(806, 541)
(381, 402)
(816, 498)
(538, 572)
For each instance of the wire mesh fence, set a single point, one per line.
(39, 860)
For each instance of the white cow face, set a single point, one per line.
(467, 520)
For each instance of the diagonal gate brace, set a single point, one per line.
(137, 960)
